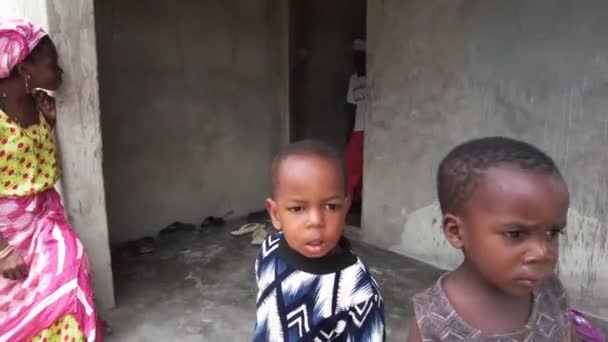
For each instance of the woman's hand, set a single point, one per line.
(46, 104)
(13, 267)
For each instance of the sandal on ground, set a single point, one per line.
(259, 235)
(246, 229)
(212, 221)
(176, 227)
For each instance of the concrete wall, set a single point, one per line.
(34, 10)
(71, 26)
(193, 99)
(446, 71)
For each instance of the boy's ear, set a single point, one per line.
(453, 229)
(273, 211)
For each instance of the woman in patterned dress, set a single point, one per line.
(45, 293)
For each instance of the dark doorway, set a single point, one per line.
(321, 62)
(322, 33)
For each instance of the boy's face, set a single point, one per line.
(509, 228)
(309, 204)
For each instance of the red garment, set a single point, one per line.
(353, 160)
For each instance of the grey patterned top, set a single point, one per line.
(439, 322)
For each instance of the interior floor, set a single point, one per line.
(201, 287)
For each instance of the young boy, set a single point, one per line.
(311, 286)
(504, 204)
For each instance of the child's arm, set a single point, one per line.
(414, 332)
(350, 97)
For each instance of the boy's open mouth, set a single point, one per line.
(315, 246)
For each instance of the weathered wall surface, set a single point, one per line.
(34, 10)
(193, 99)
(72, 28)
(446, 71)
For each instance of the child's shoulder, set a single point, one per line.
(432, 300)
(269, 247)
(266, 261)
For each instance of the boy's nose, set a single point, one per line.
(315, 218)
(540, 251)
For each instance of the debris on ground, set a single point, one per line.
(134, 248)
(176, 227)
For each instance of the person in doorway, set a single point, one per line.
(504, 205)
(45, 293)
(311, 285)
(357, 97)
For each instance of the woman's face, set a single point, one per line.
(44, 69)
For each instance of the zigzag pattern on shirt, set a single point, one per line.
(327, 336)
(269, 245)
(360, 311)
(299, 318)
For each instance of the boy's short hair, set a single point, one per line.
(307, 148)
(460, 171)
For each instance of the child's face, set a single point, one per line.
(509, 228)
(309, 204)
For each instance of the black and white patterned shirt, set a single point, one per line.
(333, 298)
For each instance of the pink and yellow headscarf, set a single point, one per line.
(18, 37)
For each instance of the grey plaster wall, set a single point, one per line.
(72, 28)
(194, 101)
(34, 10)
(442, 72)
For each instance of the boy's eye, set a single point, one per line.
(333, 206)
(552, 234)
(515, 234)
(295, 209)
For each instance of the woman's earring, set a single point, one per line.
(27, 84)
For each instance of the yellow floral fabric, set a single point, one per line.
(28, 158)
(66, 329)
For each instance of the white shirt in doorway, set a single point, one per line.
(357, 95)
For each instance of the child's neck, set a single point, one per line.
(483, 305)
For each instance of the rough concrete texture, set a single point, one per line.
(322, 63)
(71, 26)
(193, 100)
(446, 71)
(201, 287)
(34, 10)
